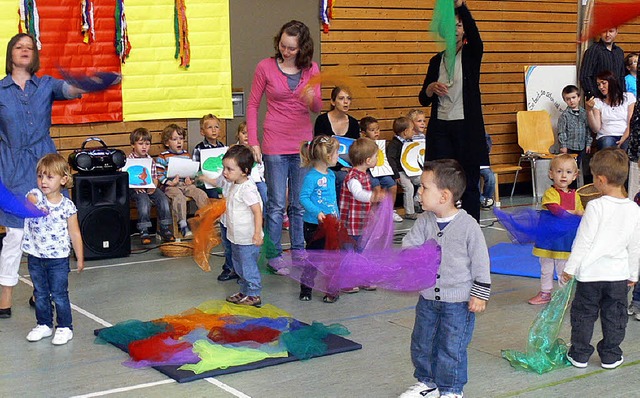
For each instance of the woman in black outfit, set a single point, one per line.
(338, 122)
(456, 126)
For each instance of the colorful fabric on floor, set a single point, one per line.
(183, 323)
(308, 341)
(545, 351)
(214, 356)
(177, 359)
(126, 332)
(221, 307)
(258, 334)
(217, 335)
(156, 348)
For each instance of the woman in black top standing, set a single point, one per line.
(456, 126)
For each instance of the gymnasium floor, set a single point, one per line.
(147, 286)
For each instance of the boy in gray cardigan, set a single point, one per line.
(445, 313)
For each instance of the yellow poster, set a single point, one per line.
(8, 25)
(154, 86)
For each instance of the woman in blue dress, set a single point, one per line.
(25, 119)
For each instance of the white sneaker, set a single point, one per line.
(396, 217)
(631, 309)
(39, 332)
(613, 365)
(577, 364)
(63, 335)
(421, 390)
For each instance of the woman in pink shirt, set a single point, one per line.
(290, 100)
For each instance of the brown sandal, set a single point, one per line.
(250, 300)
(236, 298)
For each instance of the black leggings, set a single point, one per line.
(448, 140)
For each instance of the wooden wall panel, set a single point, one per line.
(387, 45)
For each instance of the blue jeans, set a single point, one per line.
(439, 343)
(245, 263)
(281, 171)
(212, 193)
(262, 190)
(226, 245)
(143, 203)
(354, 245)
(609, 141)
(385, 182)
(635, 298)
(50, 277)
(340, 176)
(489, 184)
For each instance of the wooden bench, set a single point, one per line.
(497, 170)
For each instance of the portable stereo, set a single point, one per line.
(102, 159)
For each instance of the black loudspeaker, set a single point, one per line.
(103, 213)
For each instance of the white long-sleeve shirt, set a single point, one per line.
(358, 192)
(607, 245)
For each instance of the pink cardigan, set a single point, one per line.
(287, 122)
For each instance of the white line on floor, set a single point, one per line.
(227, 388)
(124, 389)
(75, 307)
(131, 263)
(91, 316)
(104, 323)
(498, 228)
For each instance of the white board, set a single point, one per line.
(544, 84)
(383, 168)
(412, 157)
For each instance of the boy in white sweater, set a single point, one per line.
(604, 259)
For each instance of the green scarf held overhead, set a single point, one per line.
(443, 24)
(545, 351)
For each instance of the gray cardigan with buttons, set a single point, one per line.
(465, 268)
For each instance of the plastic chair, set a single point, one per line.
(535, 137)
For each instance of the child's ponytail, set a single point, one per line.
(318, 149)
(305, 157)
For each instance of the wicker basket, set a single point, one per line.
(587, 193)
(176, 249)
